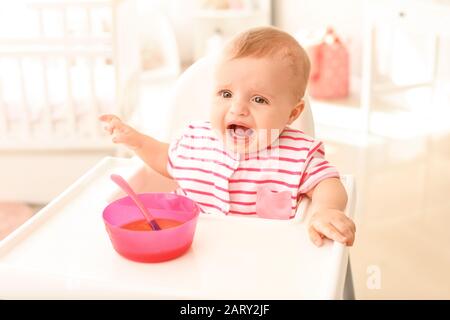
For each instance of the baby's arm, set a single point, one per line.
(328, 200)
(153, 152)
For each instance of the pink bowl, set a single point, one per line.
(152, 246)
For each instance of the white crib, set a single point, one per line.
(81, 60)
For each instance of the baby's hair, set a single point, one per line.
(268, 42)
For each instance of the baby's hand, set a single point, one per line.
(121, 132)
(332, 224)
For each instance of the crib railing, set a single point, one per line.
(70, 123)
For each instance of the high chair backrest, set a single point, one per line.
(191, 96)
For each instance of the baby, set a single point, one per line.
(246, 159)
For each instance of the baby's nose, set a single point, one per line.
(239, 108)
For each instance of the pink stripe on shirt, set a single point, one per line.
(199, 137)
(295, 138)
(261, 181)
(206, 160)
(316, 148)
(198, 169)
(269, 170)
(199, 127)
(205, 149)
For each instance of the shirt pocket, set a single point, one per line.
(273, 205)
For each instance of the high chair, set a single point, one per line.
(192, 85)
(64, 251)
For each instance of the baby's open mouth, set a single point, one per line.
(239, 131)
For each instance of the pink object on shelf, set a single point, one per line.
(152, 246)
(235, 4)
(329, 78)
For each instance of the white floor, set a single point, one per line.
(403, 174)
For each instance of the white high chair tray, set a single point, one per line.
(63, 252)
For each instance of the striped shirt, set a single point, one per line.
(272, 179)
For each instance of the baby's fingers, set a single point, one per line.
(114, 124)
(119, 138)
(315, 236)
(347, 228)
(108, 117)
(329, 231)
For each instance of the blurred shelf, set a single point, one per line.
(212, 27)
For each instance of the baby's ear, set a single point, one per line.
(296, 111)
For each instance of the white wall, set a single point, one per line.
(180, 14)
(346, 16)
(290, 15)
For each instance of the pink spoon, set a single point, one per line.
(127, 189)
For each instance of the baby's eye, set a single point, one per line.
(225, 94)
(260, 100)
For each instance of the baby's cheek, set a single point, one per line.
(216, 122)
(218, 111)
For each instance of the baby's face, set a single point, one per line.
(253, 101)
